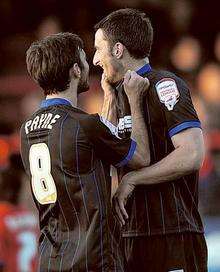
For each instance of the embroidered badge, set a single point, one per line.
(168, 92)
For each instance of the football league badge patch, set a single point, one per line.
(168, 92)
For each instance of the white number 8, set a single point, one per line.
(42, 182)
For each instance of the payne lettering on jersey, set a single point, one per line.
(168, 92)
(44, 120)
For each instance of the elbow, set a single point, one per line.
(197, 158)
(142, 161)
(138, 161)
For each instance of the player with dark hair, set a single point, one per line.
(67, 154)
(18, 226)
(163, 230)
(49, 62)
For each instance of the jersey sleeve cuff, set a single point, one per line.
(129, 155)
(183, 126)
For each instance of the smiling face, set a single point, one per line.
(106, 59)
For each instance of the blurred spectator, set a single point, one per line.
(49, 25)
(186, 55)
(18, 227)
(181, 12)
(208, 83)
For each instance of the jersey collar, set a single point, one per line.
(55, 101)
(144, 69)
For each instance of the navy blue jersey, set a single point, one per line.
(67, 154)
(170, 207)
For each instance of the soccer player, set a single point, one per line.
(67, 154)
(18, 226)
(163, 231)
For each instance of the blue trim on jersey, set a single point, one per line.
(182, 126)
(54, 101)
(144, 69)
(129, 155)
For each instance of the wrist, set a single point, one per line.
(129, 178)
(134, 98)
(136, 105)
(109, 95)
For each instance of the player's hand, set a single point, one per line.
(106, 86)
(119, 200)
(135, 85)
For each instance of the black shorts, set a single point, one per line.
(184, 252)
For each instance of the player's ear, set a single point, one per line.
(75, 71)
(118, 50)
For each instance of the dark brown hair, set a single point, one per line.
(132, 28)
(50, 59)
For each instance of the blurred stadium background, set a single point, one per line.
(186, 41)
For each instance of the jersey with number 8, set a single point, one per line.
(43, 184)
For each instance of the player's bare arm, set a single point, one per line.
(187, 157)
(135, 87)
(109, 101)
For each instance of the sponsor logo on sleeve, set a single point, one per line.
(168, 92)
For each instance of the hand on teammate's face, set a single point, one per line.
(135, 84)
(124, 190)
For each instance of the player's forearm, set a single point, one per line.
(139, 133)
(180, 162)
(109, 109)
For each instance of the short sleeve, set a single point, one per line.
(107, 145)
(175, 100)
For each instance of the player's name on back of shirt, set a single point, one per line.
(41, 121)
(20, 221)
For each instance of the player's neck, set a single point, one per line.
(135, 64)
(68, 94)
